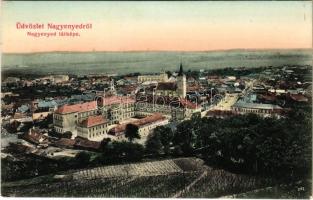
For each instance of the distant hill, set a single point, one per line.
(146, 62)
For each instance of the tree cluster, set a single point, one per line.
(245, 143)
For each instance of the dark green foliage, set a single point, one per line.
(185, 137)
(251, 144)
(229, 71)
(82, 159)
(159, 141)
(122, 151)
(131, 132)
(67, 134)
(45, 123)
(154, 145)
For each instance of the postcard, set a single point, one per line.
(156, 99)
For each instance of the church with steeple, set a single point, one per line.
(174, 89)
(181, 82)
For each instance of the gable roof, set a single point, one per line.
(83, 143)
(82, 107)
(116, 100)
(93, 121)
(140, 122)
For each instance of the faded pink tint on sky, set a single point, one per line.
(169, 26)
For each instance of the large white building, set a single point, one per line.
(92, 127)
(241, 107)
(174, 108)
(163, 77)
(92, 120)
(57, 78)
(117, 108)
(145, 126)
(66, 117)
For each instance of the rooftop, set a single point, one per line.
(140, 122)
(35, 136)
(166, 100)
(117, 100)
(87, 144)
(243, 104)
(82, 107)
(93, 121)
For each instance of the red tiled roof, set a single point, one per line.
(147, 120)
(65, 142)
(93, 121)
(166, 100)
(188, 104)
(116, 100)
(82, 107)
(86, 144)
(140, 122)
(118, 130)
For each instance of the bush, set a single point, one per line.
(82, 159)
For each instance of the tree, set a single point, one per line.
(153, 144)
(185, 137)
(82, 159)
(131, 132)
(104, 143)
(124, 150)
(134, 151)
(67, 134)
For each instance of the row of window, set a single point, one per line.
(99, 127)
(58, 130)
(125, 115)
(99, 133)
(57, 117)
(253, 110)
(86, 114)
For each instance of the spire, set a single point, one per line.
(181, 71)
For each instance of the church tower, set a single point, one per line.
(181, 83)
(112, 88)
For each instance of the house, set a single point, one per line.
(173, 89)
(64, 143)
(117, 108)
(163, 77)
(82, 143)
(66, 117)
(40, 115)
(36, 137)
(145, 126)
(92, 127)
(241, 107)
(173, 107)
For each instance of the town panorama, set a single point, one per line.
(232, 132)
